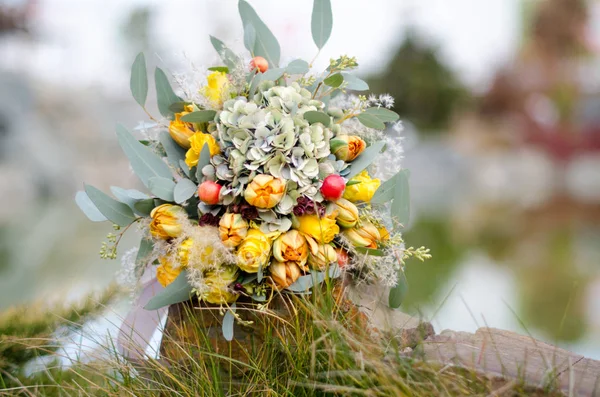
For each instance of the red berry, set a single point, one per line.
(209, 191)
(342, 257)
(333, 187)
(259, 63)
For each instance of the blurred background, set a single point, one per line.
(500, 100)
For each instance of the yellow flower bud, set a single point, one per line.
(265, 191)
(321, 229)
(291, 246)
(181, 131)
(232, 229)
(366, 235)
(218, 286)
(347, 213)
(254, 251)
(218, 84)
(362, 191)
(284, 274)
(197, 141)
(321, 256)
(165, 221)
(347, 147)
(165, 272)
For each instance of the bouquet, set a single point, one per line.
(261, 181)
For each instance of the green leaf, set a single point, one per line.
(383, 114)
(227, 56)
(222, 69)
(184, 190)
(163, 188)
(164, 93)
(129, 197)
(178, 291)
(249, 37)
(265, 44)
(398, 293)
(313, 117)
(201, 116)
(88, 208)
(335, 80)
(365, 159)
(185, 169)
(178, 107)
(138, 82)
(228, 322)
(305, 283)
(203, 161)
(385, 192)
(145, 206)
(350, 183)
(273, 74)
(113, 210)
(256, 79)
(321, 22)
(400, 209)
(368, 120)
(354, 83)
(369, 251)
(146, 247)
(175, 153)
(297, 66)
(144, 162)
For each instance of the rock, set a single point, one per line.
(507, 354)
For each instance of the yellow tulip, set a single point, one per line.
(284, 274)
(165, 272)
(362, 191)
(254, 251)
(321, 256)
(197, 141)
(366, 235)
(232, 229)
(347, 213)
(321, 229)
(218, 285)
(218, 84)
(166, 221)
(265, 191)
(291, 246)
(181, 131)
(347, 147)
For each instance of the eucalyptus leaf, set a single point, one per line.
(369, 251)
(365, 159)
(145, 207)
(354, 83)
(163, 188)
(273, 74)
(144, 162)
(297, 66)
(222, 69)
(265, 44)
(184, 190)
(314, 116)
(398, 293)
(305, 283)
(185, 169)
(321, 22)
(113, 210)
(335, 80)
(165, 95)
(259, 274)
(129, 196)
(228, 322)
(203, 161)
(385, 192)
(259, 298)
(256, 79)
(383, 114)
(201, 116)
(178, 291)
(178, 107)
(88, 207)
(138, 82)
(249, 37)
(175, 153)
(227, 56)
(400, 209)
(146, 247)
(368, 120)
